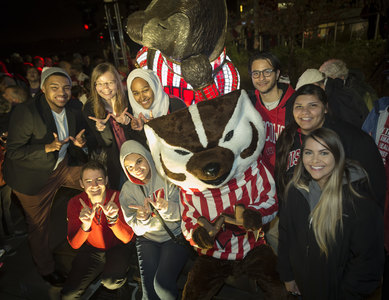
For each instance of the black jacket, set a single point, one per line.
(344, 103)
(105, 143)
(355, 262)
(27, 166)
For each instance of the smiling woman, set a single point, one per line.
(147, 98)
(146, 195)
(328, 208)
(108, 115)
(310, 112)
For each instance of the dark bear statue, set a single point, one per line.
(183, 42)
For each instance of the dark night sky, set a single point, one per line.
(26, 26)
(34, 20)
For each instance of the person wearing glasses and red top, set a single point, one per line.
(270, 98)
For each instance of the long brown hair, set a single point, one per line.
(287, 136)
(97, 102)
(326, 216)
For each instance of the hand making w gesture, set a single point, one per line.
(56, 144)
(160, 203)
(143, 211)
(110, 210)
(86, 215)
(137, 123)
(124, 118)
(79, 140)
(100, 123)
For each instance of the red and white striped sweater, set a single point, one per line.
(226, 78)
(255, 189)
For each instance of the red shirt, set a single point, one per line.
(274, 122)
(101, 234)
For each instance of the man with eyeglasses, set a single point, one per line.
(43, 149)
(269, 98)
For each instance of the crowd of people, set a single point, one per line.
(80, 124)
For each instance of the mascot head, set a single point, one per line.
(207, 144)
(181, 28)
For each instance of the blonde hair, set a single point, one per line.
(326, 217)
(97, 102)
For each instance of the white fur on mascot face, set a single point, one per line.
(207, 144)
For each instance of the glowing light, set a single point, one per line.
(86, 26)
(241, 8)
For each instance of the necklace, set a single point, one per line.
(274, 104)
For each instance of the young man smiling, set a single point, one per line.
(97, 228)
(44, 139)
(270, 99)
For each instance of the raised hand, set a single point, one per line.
(143, 211)
(79, 140)
(100, 123)
(86, 215)
(160, 203)
(124, 118)
(144, 119)
(110, 210)
(204, 235)
(56, 144)
(136, 123)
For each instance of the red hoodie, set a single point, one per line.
(274, 122)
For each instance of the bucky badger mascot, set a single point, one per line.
(211, 150)
(184, 44)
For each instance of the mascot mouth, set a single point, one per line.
(217, 181)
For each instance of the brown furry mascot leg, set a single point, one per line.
(206, 278)
(260, 264)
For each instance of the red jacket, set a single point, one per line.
(274, 122)
(101, 235)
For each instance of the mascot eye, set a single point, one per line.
(181, 152)
(229, 136)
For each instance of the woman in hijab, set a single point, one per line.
(148, 99)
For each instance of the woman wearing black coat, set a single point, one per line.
(330, 231)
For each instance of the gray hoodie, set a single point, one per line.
(132, 194)
(314, 194)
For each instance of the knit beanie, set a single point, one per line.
(48, 71)
(310, 76)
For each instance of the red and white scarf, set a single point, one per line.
(226, 79)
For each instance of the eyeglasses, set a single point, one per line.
(265, 73)
(110, 84)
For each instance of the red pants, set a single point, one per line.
(37, 210)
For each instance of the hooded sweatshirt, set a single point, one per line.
(274, 121)
(133, 193)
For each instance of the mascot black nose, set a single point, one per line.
(212, 169)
